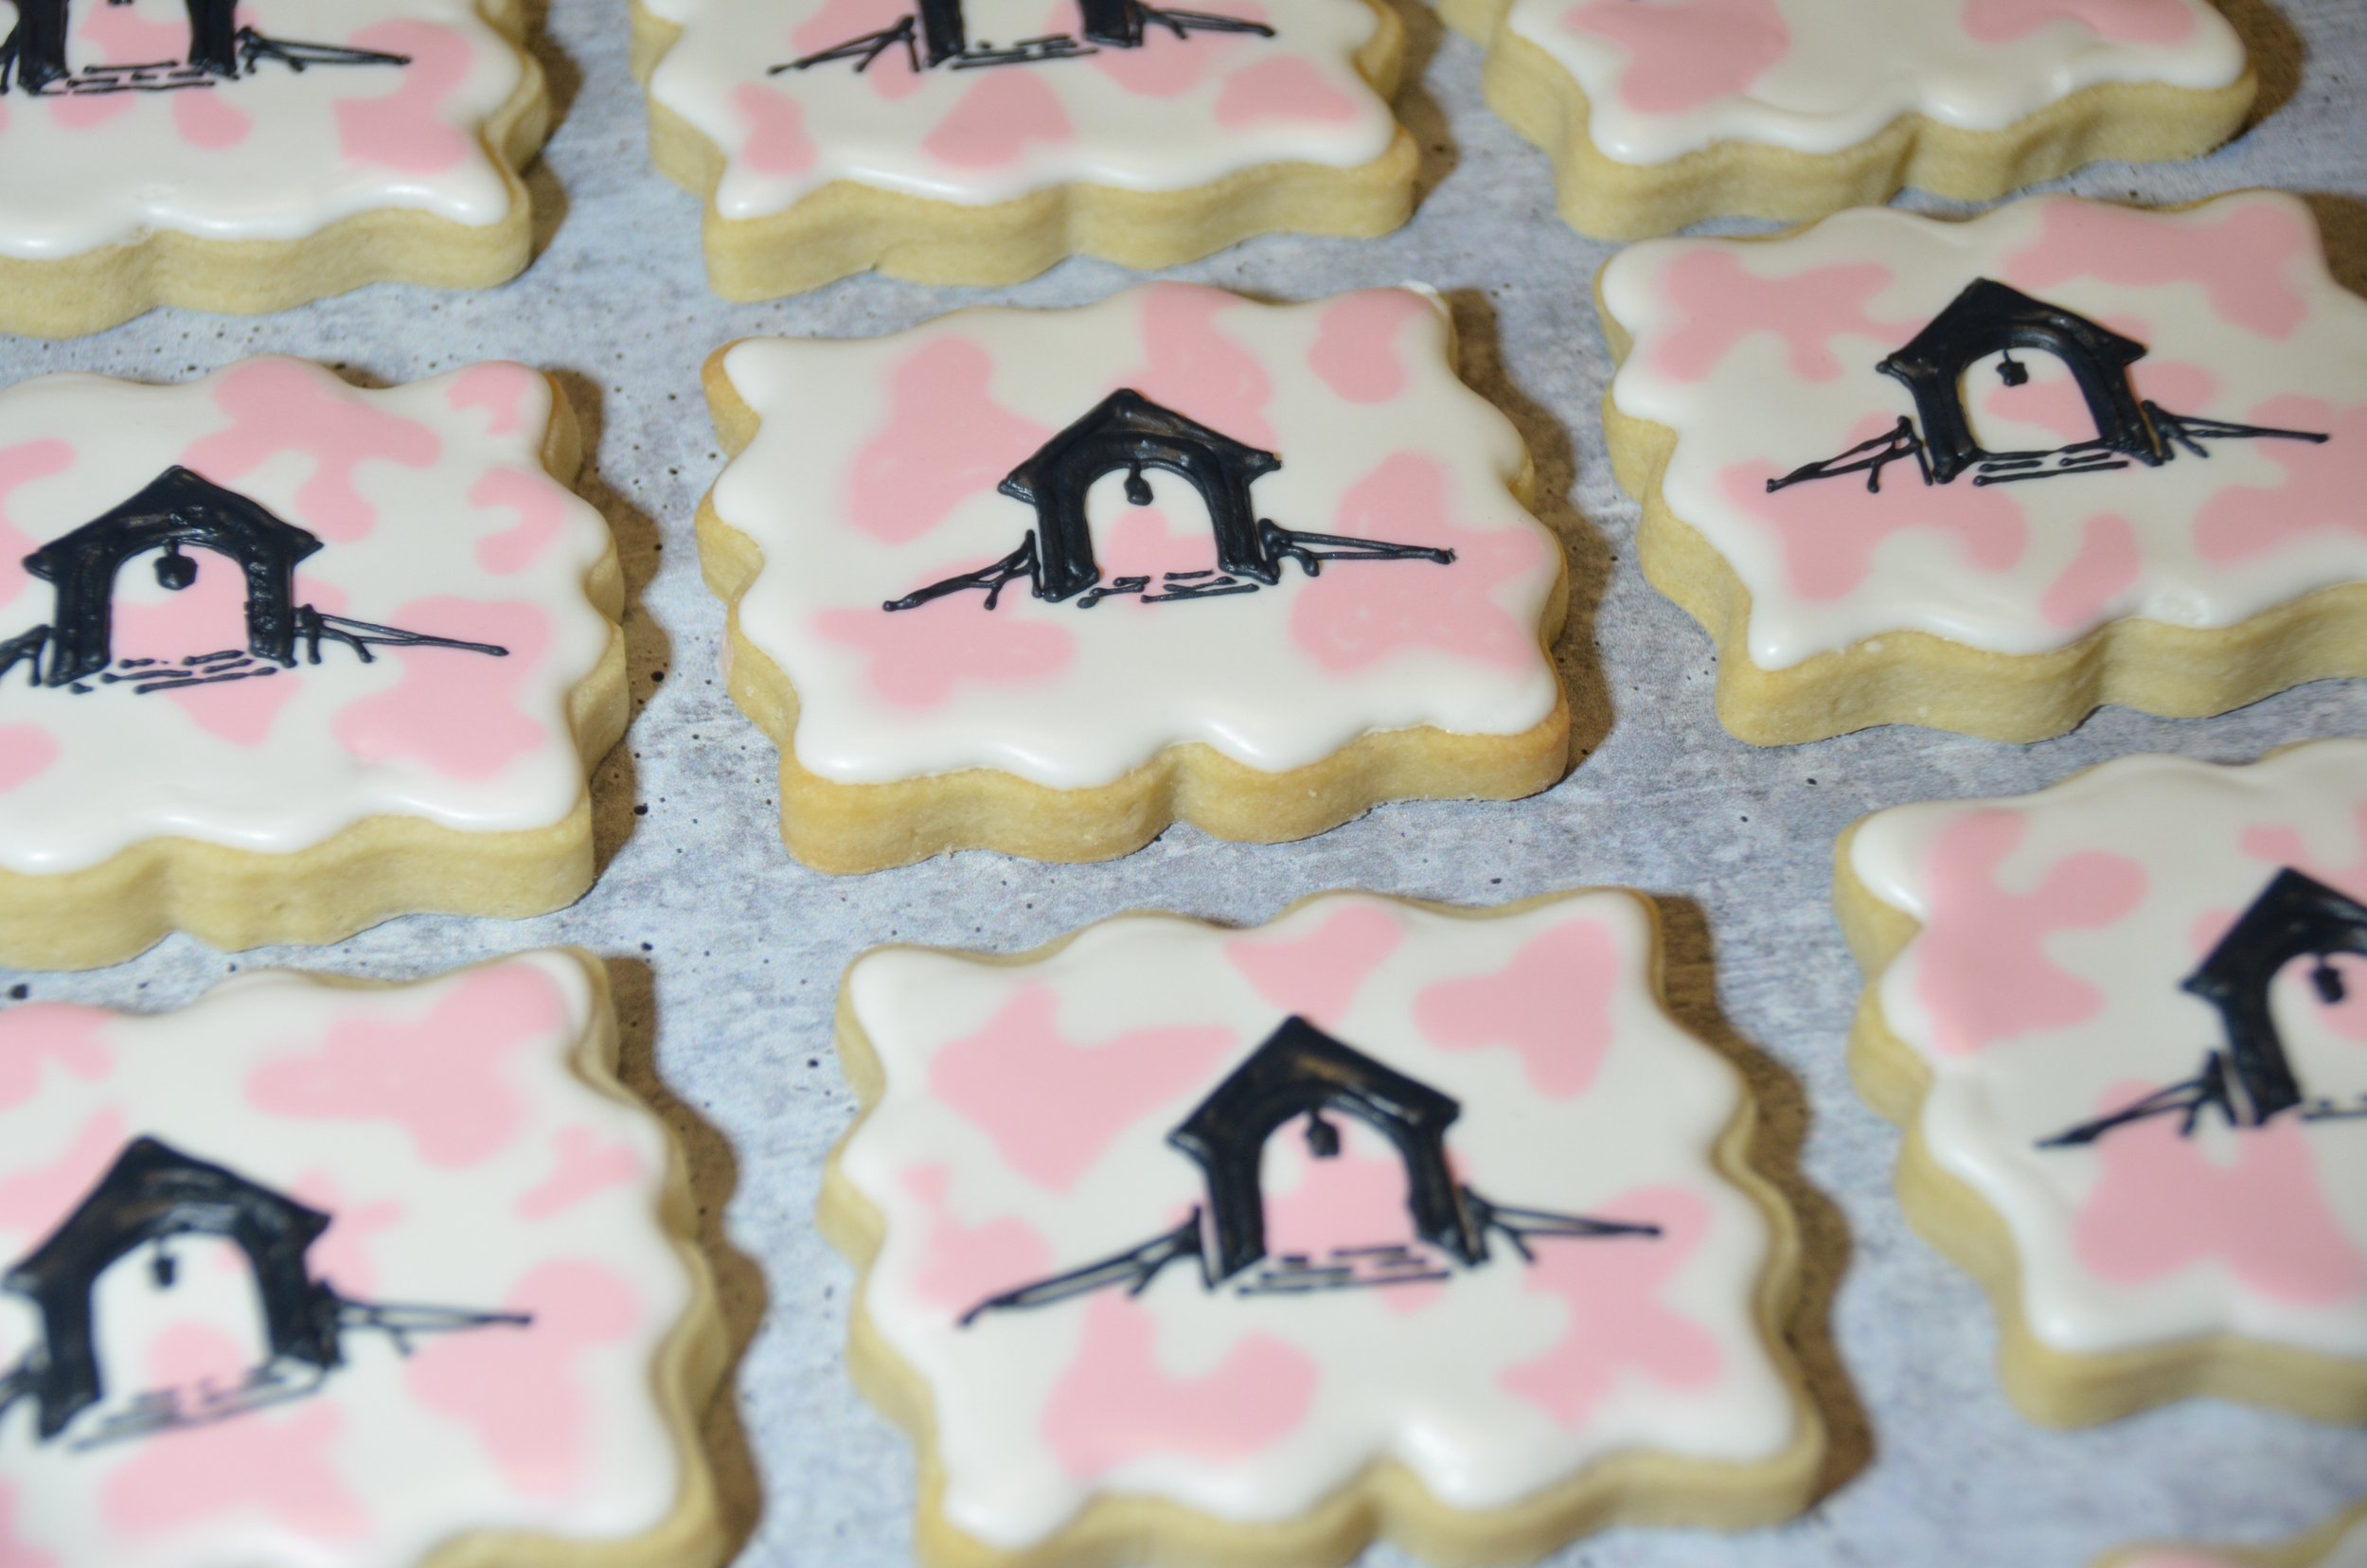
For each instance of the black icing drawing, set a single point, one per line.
(179, 508)
(1990, 318)
(937, 33)
(33, 57)
(2249, 1080)
(1302, 1072)
(1127, 431)
(152, 1194)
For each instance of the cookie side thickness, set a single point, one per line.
(850, 827)
(102, 288)
(1904, 676)
(848, 226)
(374, 870)
(2320, 1548)
(2048, 1385)
(1611, 199)
(1387, 1500)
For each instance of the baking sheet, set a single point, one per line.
(726, 955)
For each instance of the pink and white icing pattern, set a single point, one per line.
(1024, 1129)
(1665, 77)
(2043, 990)
(1761, 357)
(426, 1121)
(1170, 114)
(271, 155)
(434, 515)
(875, 472)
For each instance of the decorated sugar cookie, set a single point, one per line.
(1985, 476)
(251, 157)
(346, 1276)
(1380, 1219)
(280, 657)
(2342, 1544)
(979, 141)
(1661, 113)
(2122, 1021)
(1045, 582)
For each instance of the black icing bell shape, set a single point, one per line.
(2012, 371)
(1137, 487)
(175, 571)
(2329, 980)
(1322, 1138)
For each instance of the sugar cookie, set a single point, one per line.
(2121, 1021)
(1384, 1220)
(2342, 1544)
(280, 657)
(1045, 581)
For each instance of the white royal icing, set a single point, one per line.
(1168, 113)
(1762, 358)
(104, 156)
(433, 516)
(1665, 77)
(876, 474)
(1024, 1132)
(2045, 988)
(464, 1166)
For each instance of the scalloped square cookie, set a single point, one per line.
(280, 657)
(981, 141)
(250, 156)
(313, 1274)
(1659, 114)
(1986, 477)
(1382, 1219)
(1045, 582)
(2122, 1021)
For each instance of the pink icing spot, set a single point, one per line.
(440, 1078)
(2240, 257)
(1723, 302)
(342, 1256)
(504, 390)
(963, 1265)
(279, 406)
(27, 752)
(208, 615)
(2105, 568)
(1289, 89)
(1356, 615)
(34, 1201)
(41, 1032)
(1830, 533)
(1982, 969)
(116, 35)
(1165, 65)
(996, 1080)
(2166, 1203)
(21, 465)
(945, 440)
(453, 712)
(15, 1551)
(777, 143)
(584, 1168)
(1318, 975)
(1196, 369)
(995, 121)
(1552, 1005)
(1616, 1321)
(1355, 1199)
(837, 21)
(1137, 543)
(919, 655)
(1115, 1404)
(1356, 343)
(520, 1390)
(540, 505)
(405, 129)
(2325, 488)
(2281, 846)
(205, 120)
(277, 1466)
(1685, 53)
(2122, 21)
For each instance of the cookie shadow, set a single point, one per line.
(564, 81)
(2343, 220)
(1587, 554)
(2276, 52)
(1689, 975)
(1415, 109)
(739, 1286)
(647, 652)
